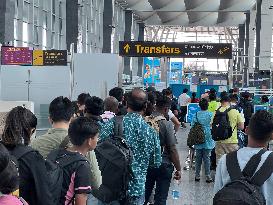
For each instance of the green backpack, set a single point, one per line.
(196, 135)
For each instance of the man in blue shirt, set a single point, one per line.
(143, 140)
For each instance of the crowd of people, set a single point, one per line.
(61, 167)
(68, 164)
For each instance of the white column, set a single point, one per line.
(266, 35)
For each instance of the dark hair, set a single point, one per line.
(61, 109)
(137, 100)
(94, 106)
(261, 126)
(204, 104)
(235, 90)
(185, 90)
(167, 92)
(264, 99)
(233, 97)
(212, 96)
(117, 93)
(193, 96)
(8, 172)
(230, 91)
(163, 101)
(82, 98)
(82, 129)
(223, 94)
(246, 95)
(225, 98)
(151, 103)
(19, 123)
(212, 90)
(150, 89)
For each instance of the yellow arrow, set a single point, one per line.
(127, 48)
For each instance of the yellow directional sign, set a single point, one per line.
(38, 59)
(180, 50)
(127, 48)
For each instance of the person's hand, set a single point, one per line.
(177, 175)
(175, 112)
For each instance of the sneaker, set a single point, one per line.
(197, 179)
(209, 179)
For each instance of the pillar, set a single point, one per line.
(107, 26)
(7, 11)
(127, 37)
(140, 38)
(72, 28)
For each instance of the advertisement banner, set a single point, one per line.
(175, 76)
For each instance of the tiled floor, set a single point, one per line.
(191, 192)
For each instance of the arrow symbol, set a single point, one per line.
(127, 48)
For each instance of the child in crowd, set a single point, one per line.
(9, 182)
(83, 133)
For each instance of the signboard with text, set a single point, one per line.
(55, 57)
(180, 50)
(16, 56)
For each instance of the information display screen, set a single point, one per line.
(16, 56)
(182, 50)
(55, 57)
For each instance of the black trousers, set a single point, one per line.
(183, 113)
(162, 176)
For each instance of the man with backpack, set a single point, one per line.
(60, 116)
(170, 156)
(144, 144)
(225, 124)
(245, 176)
(73, 165)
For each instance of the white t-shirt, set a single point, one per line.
(222, 177)
(183, 99)
(170, 114)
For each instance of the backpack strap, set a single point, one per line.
(197, 117)
(118, 126)
(64, 143)
(253, 164)
(21, 151)
(264, 172)
(234, 169)
(233, 166)
(63, 160)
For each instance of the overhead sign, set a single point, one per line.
(182, 50)
(55, 57)
(16, 56)
(38, 57)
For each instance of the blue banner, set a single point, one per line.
(175, 76)
(148, 71)
(193, 108)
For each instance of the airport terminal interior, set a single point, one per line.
(135, 102)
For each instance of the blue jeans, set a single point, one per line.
(202, 154)
(162, 176)
(91, 200)
(133, 200)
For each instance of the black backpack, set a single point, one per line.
(55, 165)
(196, 135)
(114, 158)
(221, 128)
(245, 187)
(54, 179)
